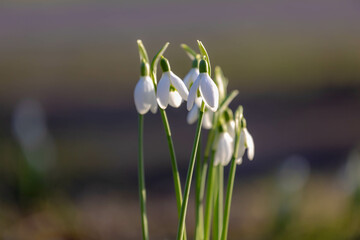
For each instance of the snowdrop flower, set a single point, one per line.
(224, 148)
(245, 142)
(208, 90)
(192, 74)
(170, 89)
(144, 94)
(193, 115)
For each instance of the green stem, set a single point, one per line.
(141, 175)
(199, 230)
(220, 200)
(181, 227)
(229, 190)
(209, 197)
(176, 176)
(215, 228)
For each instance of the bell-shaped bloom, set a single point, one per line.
(207, 89)
(246, 141)
(190, 78)
(170, 87)
(224, 149)
(193, 115)
(144, 95)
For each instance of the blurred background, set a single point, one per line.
(68, 124)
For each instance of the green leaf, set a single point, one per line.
(189, 51)
(155, 61)
(227, 101)
(205, 55)
(142, 52)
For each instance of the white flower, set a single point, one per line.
(144, 95)
(208, 90)
(245, 142)
(170, 87)
(224, 149)
(192, 75)
(193, 115)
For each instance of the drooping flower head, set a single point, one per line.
(170, 89)
(191, 76)
(246, 141)
(205, 88)
(144, 94)
(193, 115)
(224, 147)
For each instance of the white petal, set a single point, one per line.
(231, 128)
(154, 105)
(142, 95)
(193, 115)
(175, 99)
(220, 153)
(241, 149)
(207, 121)
(250, 144)
(209, 92)
(191, 77)
(179, 86)
(193, 94)
(198, 101)
(229, 149)
(163, 89)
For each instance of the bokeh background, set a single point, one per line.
(68, 125)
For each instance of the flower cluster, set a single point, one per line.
(208, 104)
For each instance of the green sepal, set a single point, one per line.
(195, 63)
(164, 64)
(144, 69)
(203, 66)
(228, 115)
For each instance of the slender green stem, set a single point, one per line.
(199, 227)
(215, 228)
(229, 190)
(218, 207)
(220, 200)
(174, 167)
(209, 197)
(176, 176)
(181, 227)
(141, 175)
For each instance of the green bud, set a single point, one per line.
(228, 115)
(164, 63)
(243, 123)
(222, 126)
(195, 63)
(144, 69)
(203, 68)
